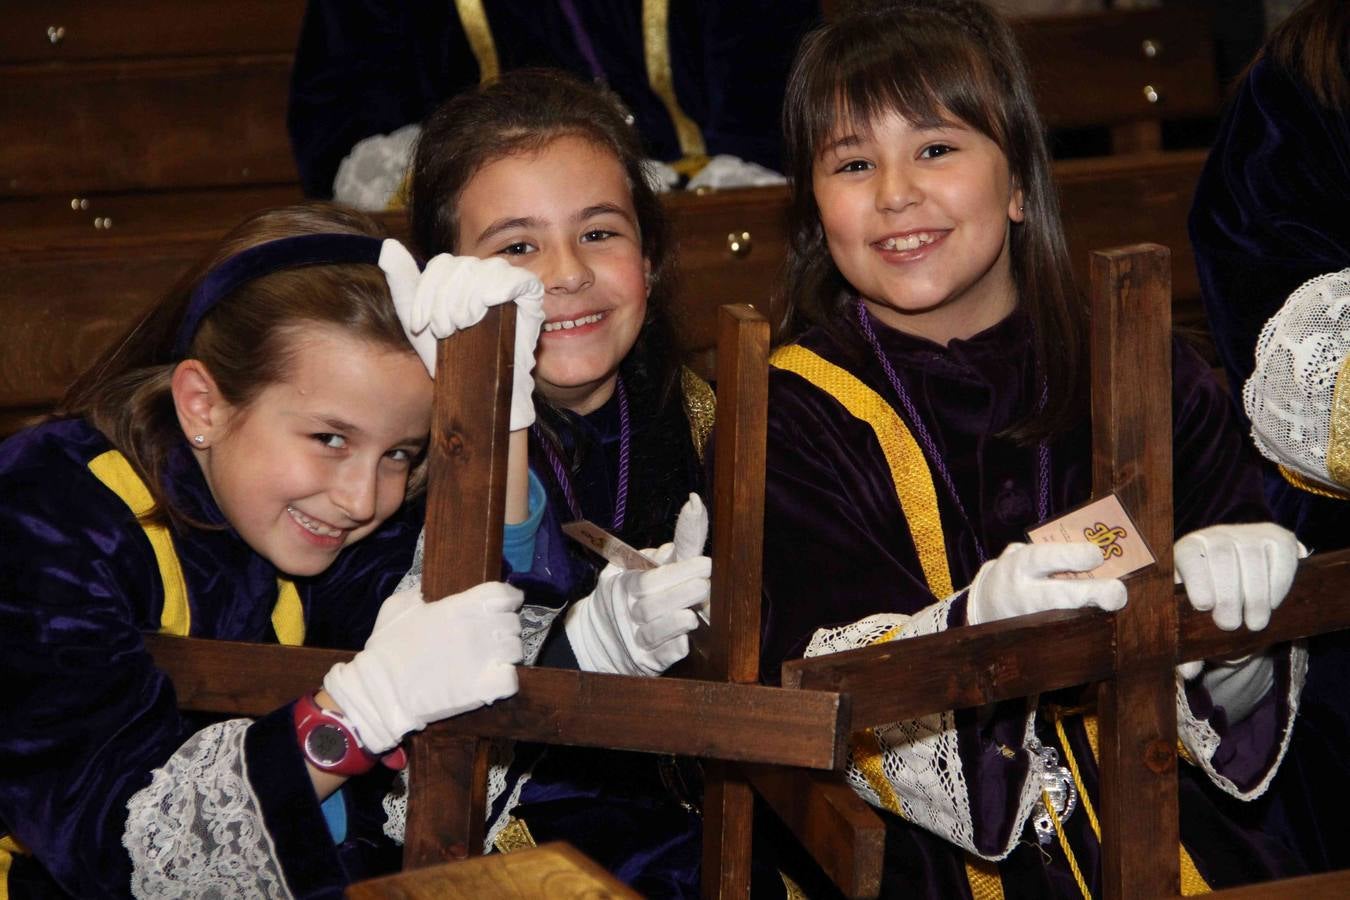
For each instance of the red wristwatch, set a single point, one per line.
(330, 742)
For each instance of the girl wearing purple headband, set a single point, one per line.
(240, 467)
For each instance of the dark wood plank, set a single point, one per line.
(961, 667)
(466, 507)
(153, 125)
(742, 722)
(1093, 68)
(1327, 886)
(730, 647)
(1131, 404)
(843, 834)
(555, 870)
(70, 30)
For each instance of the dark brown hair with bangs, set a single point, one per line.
(932, 61)
(522, 113)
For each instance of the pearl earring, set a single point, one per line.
(199, 439)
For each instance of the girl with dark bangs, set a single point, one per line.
(929, 410)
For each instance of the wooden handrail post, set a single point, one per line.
(466, 510)
(1131, 407)
(731, 650)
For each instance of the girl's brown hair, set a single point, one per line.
(246, 341)
(521, 113)
(1313, 43)
(931, 60)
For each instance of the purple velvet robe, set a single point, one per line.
(366, 67)
(87, 715)
(838, 548)
(624, 810)
(1269, 214)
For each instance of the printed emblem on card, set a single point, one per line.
(599, 541)
(1103, 522)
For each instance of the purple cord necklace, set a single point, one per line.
(1042, 449)
(564, 479)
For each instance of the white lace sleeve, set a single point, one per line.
(197, 830)
(1201, 740)
(499, 767)
(913, 768)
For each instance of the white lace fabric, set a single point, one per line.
(916, 769)
(1200, 738)
(197, 830)
(1290, 394)
(500, 758)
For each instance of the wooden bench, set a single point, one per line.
(64, 295)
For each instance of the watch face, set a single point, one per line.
(326, 745)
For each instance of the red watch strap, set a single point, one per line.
(328, 740)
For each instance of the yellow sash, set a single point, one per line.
(112, 468)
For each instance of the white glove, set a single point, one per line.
(454, 293)
(427, 661)
(638, 622)
(1018, 582)
(1240, 572)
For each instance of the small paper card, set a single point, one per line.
(600, 541)
(1105, 523)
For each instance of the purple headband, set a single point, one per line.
(264, 259)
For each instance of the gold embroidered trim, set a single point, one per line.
(985, 882)
(909, 470)
(118, 476)
(515, 835)
(288, 616)
(700, 407)
(656, 52)
(1338, 442)
(474, 21)
(794, 891)
(8, 848)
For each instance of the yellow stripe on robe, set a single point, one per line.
(116, 473)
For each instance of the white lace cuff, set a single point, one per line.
(197, 830)
(913, 768)
(1202, 741)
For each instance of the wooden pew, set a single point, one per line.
(1128, 70)
(1131, 653)
(67, 289)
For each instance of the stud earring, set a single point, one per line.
(199, 439)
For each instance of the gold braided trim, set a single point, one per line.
(700, 407)
(288, 616)
(474, 21)
(793, 889)
(515, 835)
(8, 848)
(1193, 884)
(909, 470)
(1303, 483)
(118, 476)
(1338, 443)
(1064, 845)
(656, 53)
(982, 875)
